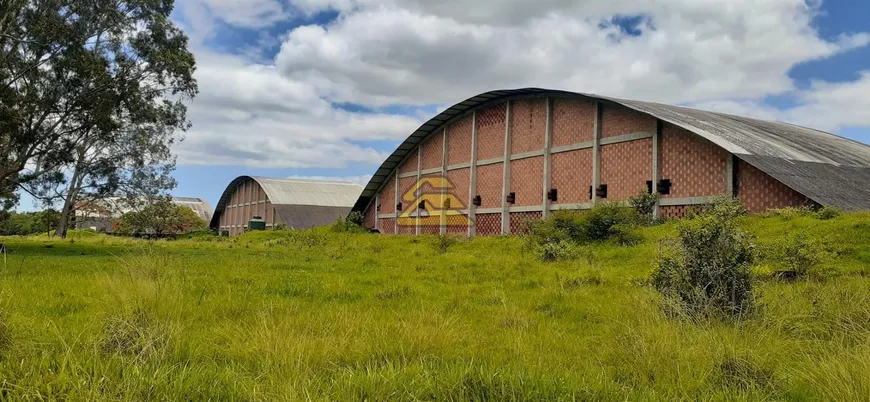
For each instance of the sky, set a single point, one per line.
(329, 88)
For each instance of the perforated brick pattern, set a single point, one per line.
(760, 192)
(527, 180)
(459, 141)
(625, 168)
(388, 226)
(488, 224)
(410, 165)
(696, 167)
(519, 221)
(369, 221)
(489, 182)
(573, 121)
(433, 150)
(490, 132)
(528, 125)
(388, 200)
(461, 179)
(572, 176)
(618, 120)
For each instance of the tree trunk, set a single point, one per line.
(69, 200)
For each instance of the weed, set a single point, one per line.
(828, 212)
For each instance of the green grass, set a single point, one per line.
(336, 316)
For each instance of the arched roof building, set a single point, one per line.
(296, 203)
(514, 155)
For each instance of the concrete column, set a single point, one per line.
(419, 177)
(548, 140)
(377, 212)
(396, 203)
(596, 152)
(656, 157)
(472, 187)
(444, 175)
(506, 172)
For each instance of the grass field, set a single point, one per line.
(318, 315)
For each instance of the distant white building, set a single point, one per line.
(100, 215)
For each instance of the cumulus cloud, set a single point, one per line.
(424, 52)
(281, 111)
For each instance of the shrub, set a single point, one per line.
(351, 223)
(798, 256)
(708, 273)
(788, 213)
(828, 212)
(443, 242)
(555, 251)
(645, 204)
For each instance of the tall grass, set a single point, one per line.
(325, 315)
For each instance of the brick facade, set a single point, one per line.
(490, 132)
(625, 168)
(759, 192)
(528, 125)
(459, 141)
(489, 183)
(695, 166)
(618, 120)
(527, 181)
(573, 121)
(572, 176)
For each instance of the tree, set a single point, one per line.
(161, 218)
(91, 96)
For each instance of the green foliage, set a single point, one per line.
(95, 88)
(828, 212)
(27, 223)
(708, 271)
(444, 242)
(644, 203)
(353, 222)
(798, 255)
(788, 213)
(162, 218)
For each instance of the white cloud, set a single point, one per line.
(721, 55)
(248, 114)
(424, 52)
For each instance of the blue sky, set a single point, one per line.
(327, 88)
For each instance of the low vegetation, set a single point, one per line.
(340, 315)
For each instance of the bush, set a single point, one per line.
(708, 273)
(556, 251)
(828, 212)
(798, 256)
(353, 223)
(553, 238)
(788, 213)
(645, 204)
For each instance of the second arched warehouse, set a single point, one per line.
(489, 164)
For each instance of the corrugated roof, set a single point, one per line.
(296, 192)
(828, 169)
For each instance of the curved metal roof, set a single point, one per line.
(299, 192)
(828, 169)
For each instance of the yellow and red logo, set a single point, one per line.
(432, 203)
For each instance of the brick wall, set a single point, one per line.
(388, 200)
(759, 192)
(527, 180)
(490, 132)
(388, 226)
(370, 216)
(459, 141)
(408, 198)
(410, 165)
(625, 168)
(461, 179)
(489, 183)
(573, 121)
(488, 224)
(433, 149)
(528, 125)
(618, 120)
(572, 176)
(519, 221)
(695, 166)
